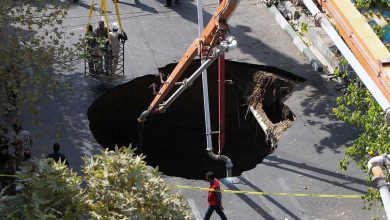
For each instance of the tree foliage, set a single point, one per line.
(269, 3)
(119, 185)
(51, 191)
(369, 3)
(31, 43)
(358, 107)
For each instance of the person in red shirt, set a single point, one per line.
(214, 198)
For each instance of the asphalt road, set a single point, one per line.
(307, 159)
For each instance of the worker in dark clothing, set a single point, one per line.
(57, 155)
(4, 139)
(214, 197)
(101, 34)
(169, 3)
(7, 163)
(91, 48)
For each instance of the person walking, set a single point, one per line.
(214, 197)
(57, 155)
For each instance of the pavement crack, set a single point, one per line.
(146, 40)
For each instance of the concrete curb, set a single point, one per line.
(317, 66)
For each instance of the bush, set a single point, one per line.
(119, 185)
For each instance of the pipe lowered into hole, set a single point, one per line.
(228, 162)
(229, 44)
(180, 132)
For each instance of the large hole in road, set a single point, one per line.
(175, 141)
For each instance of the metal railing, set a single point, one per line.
(105, 63)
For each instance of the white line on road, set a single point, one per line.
(76, 29)
(292, 200)
(194, 208)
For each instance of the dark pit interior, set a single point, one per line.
(175, 141)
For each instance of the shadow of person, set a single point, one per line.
(140, 5)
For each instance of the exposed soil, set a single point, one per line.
(175, 141)
(267, 98)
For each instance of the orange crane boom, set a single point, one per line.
(211, 36)
(369, 50)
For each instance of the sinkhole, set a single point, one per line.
(175, 141)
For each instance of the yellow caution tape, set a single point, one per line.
(9, 175)
(272, 193)
(257, 193)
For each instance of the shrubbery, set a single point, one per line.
(118, 185)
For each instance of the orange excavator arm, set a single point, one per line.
(211, 37)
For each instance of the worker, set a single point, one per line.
(103, 43)
(22, 141)
(214, 197)
(57, 155)
(115, 38)
(169, 3)
(92, 53)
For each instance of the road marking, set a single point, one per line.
(293, 200)
(76, 29)
(194, 208)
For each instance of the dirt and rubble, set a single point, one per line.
(175, 141)
(267, 99)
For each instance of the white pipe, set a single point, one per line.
(385, 195)
(186, 83)
(216, 52)
(233, 45)
(209, 146)
(346, 52)
(206, 105)
(230, 43)
(375, 161)
(375, 166)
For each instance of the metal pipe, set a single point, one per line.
(206, 105)
(346, 52)
(209, 146)
(143, 116)
(221, 101)
(385, 195)
(232, 43)
(216, 52)
(186, 83)
(375, 166)
(228, 162)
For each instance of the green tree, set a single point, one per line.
(31, 42)
(118, 185)
(369, 3)
(358, 107)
